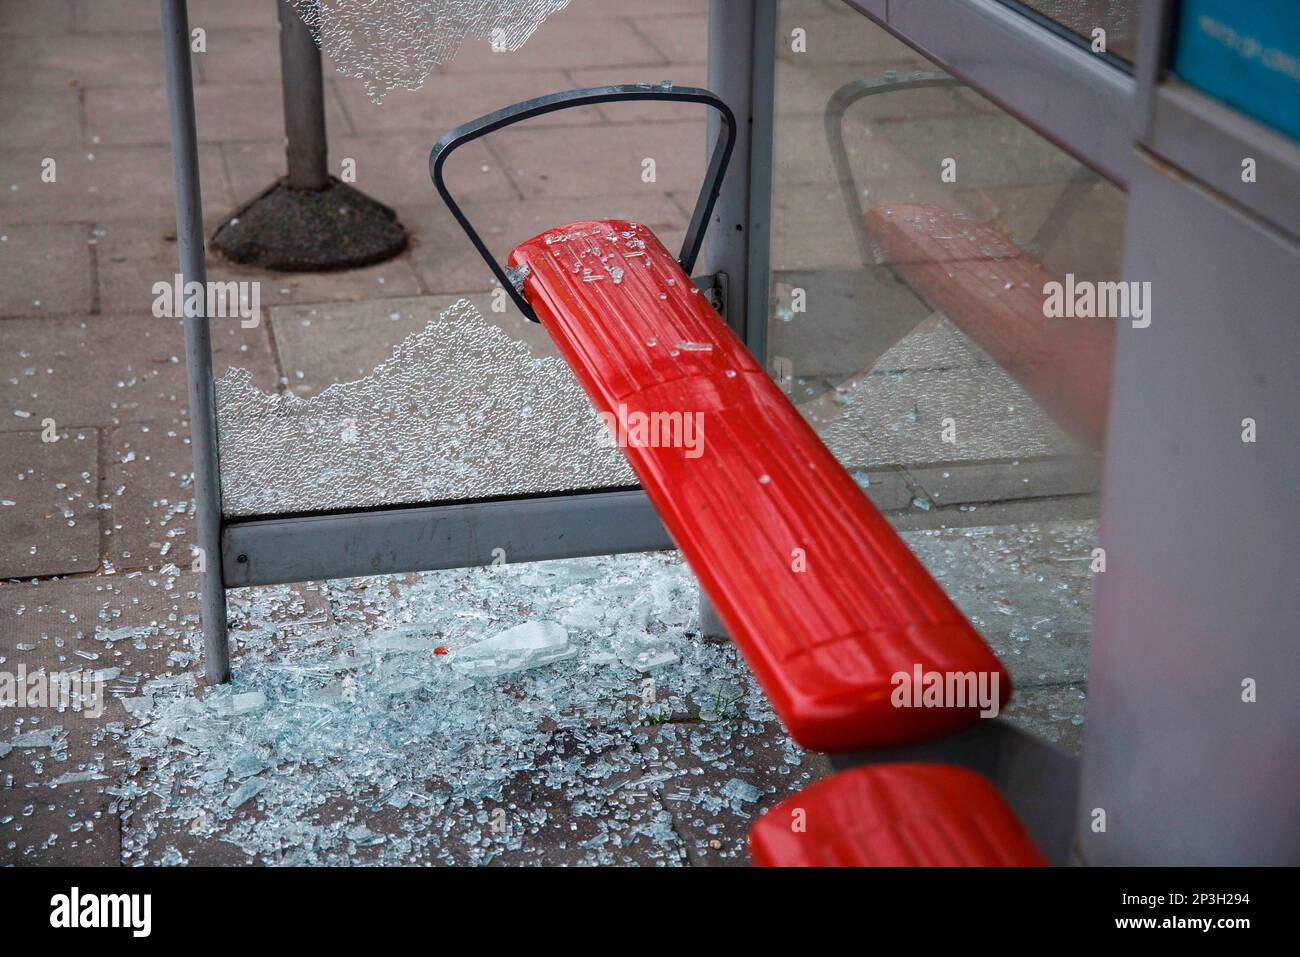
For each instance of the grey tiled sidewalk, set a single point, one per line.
(90, 522)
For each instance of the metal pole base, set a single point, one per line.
(291, 230)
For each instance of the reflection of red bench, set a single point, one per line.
(894, 815)
(993, 292)
(817, 590)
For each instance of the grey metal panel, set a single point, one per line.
(389, 541)
(198, 349)
(1071, 97)
(1200, 590)
(1210, 140)
(1038, 780)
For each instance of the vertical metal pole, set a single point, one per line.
(304, 103)
(763, 113)
(741, 64)
(726, 242)
(198, 348)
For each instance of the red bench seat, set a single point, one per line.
(817, 590)
(895, 815)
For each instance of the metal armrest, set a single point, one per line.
(542, 105)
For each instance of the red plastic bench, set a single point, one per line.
(894, 815)
(820, 594)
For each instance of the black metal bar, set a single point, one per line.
(474, 129)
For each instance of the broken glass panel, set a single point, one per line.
(353, 732)
(398, 43)
(460, 410)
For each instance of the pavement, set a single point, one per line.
(95, 489)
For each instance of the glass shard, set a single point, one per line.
(398, 43)
(460, 410)
(525, 646)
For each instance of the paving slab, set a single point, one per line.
(989, 149)
(21, 18)
(1084, 243)
(806, 87)
(446, 262)
(105, 370)
(133, 255)
(839, 35)
(532, 823)
(717, 777)
(538, 824)
(963, 483)
(887, 488)
(811, 229)
(97, 184)
(899, 419)
(644, 111)
(392, 168)
(590, 160)
(116, 16)
(852, 319)
(322, 344)
(40, 120)
(149, 486)
(801, 155)
(445, 102)
(41, 833)
(638, 8)
(81, 60)
(243, 55)
(586, 40)
(679, 38)
(1026, 588)
(225, 112)
(1053, 712)
(46, 270)
(49, 516)
(58, 804)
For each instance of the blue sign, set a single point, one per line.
(1246, 54)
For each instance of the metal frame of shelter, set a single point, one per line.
(1199, 596)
